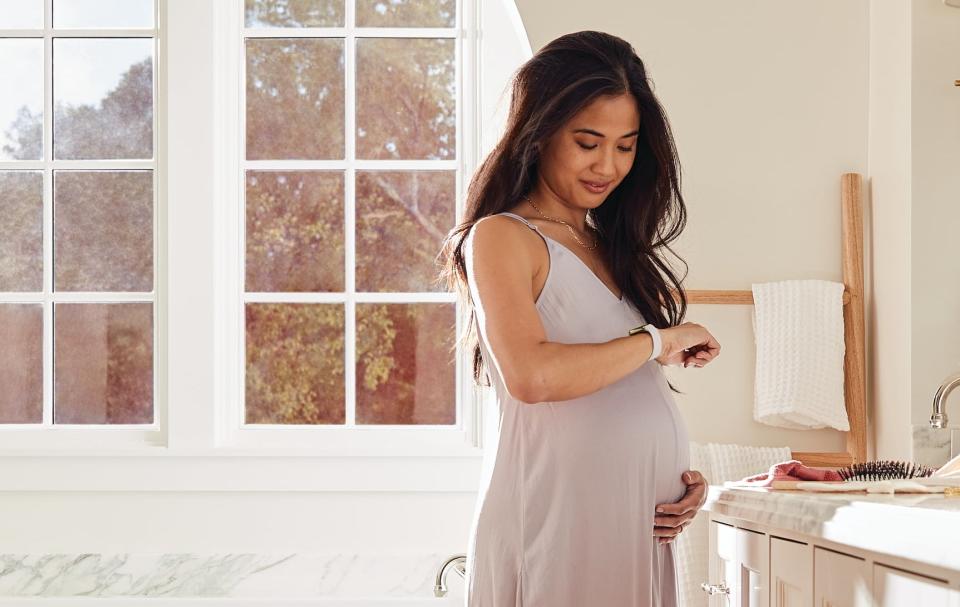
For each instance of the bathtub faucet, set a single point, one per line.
(459, 562)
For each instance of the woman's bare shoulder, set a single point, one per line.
(499, 230)
(503, 244)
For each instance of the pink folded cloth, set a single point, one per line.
(791, 470)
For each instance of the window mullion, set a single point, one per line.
(47, 158)
(229, 141)
(350, 217)
(190, 162)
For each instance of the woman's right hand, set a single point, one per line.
(687, 344)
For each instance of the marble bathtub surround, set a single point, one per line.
(279, 576)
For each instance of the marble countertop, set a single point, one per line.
(919, 527)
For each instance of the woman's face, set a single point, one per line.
(596, 146)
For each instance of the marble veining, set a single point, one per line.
(222, 575)
(923, 528)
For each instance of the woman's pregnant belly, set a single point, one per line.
(627, 440)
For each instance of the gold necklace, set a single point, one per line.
(569, 227)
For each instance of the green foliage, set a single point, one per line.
(406, 13)
(294, 237)
(103, 356)
(402, 218)
(370, 13)
(120, 127)
(26, 131)
(375, 346)
(407, 108)
(130, 364)
(103, 231)
(404, 373)
(21, 231)
(295, 99)
(294, 13)
(295, 371)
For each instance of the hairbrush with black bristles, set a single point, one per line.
(884, 470)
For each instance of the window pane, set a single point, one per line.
(406, 13)
(103, 230)
(295, 106)
(295, 364)
(103, 98)
(102, 13)
(21, 14)
(406, 98)
(21, 231)
(405, 363)
(294, 236)
(21, 363)
(21, 106)
(103, 363)
(402, 219)
(294, 13)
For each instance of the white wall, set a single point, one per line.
(888, 311)
(914, 147)
(34, 522)
(935, 204)
(768, 102)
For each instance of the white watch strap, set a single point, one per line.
(657, 342)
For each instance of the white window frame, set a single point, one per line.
(46, 434)
(199, 264)
(369, 439)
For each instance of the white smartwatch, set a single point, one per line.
(654, 334)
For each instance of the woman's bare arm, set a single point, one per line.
(501, 267)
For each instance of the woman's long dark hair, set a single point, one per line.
(642, 215)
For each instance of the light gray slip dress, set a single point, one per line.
(568, 490)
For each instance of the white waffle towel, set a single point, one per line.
(718, 463)
(798, 328)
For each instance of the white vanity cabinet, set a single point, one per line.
(763, 554)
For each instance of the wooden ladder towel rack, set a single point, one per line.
(854, 363)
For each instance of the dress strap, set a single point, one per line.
(524, 220)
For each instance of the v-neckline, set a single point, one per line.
(582, 264)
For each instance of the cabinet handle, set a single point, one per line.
(713, 589)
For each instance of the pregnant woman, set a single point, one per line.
(575, 313)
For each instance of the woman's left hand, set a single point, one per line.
(672, 518)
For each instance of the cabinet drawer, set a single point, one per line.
(791, 573)
(840, 580)
(723, 565)
(893, 587)
(753, 554)
(738, 567)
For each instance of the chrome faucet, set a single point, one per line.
(939, 417)
(459, 562)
